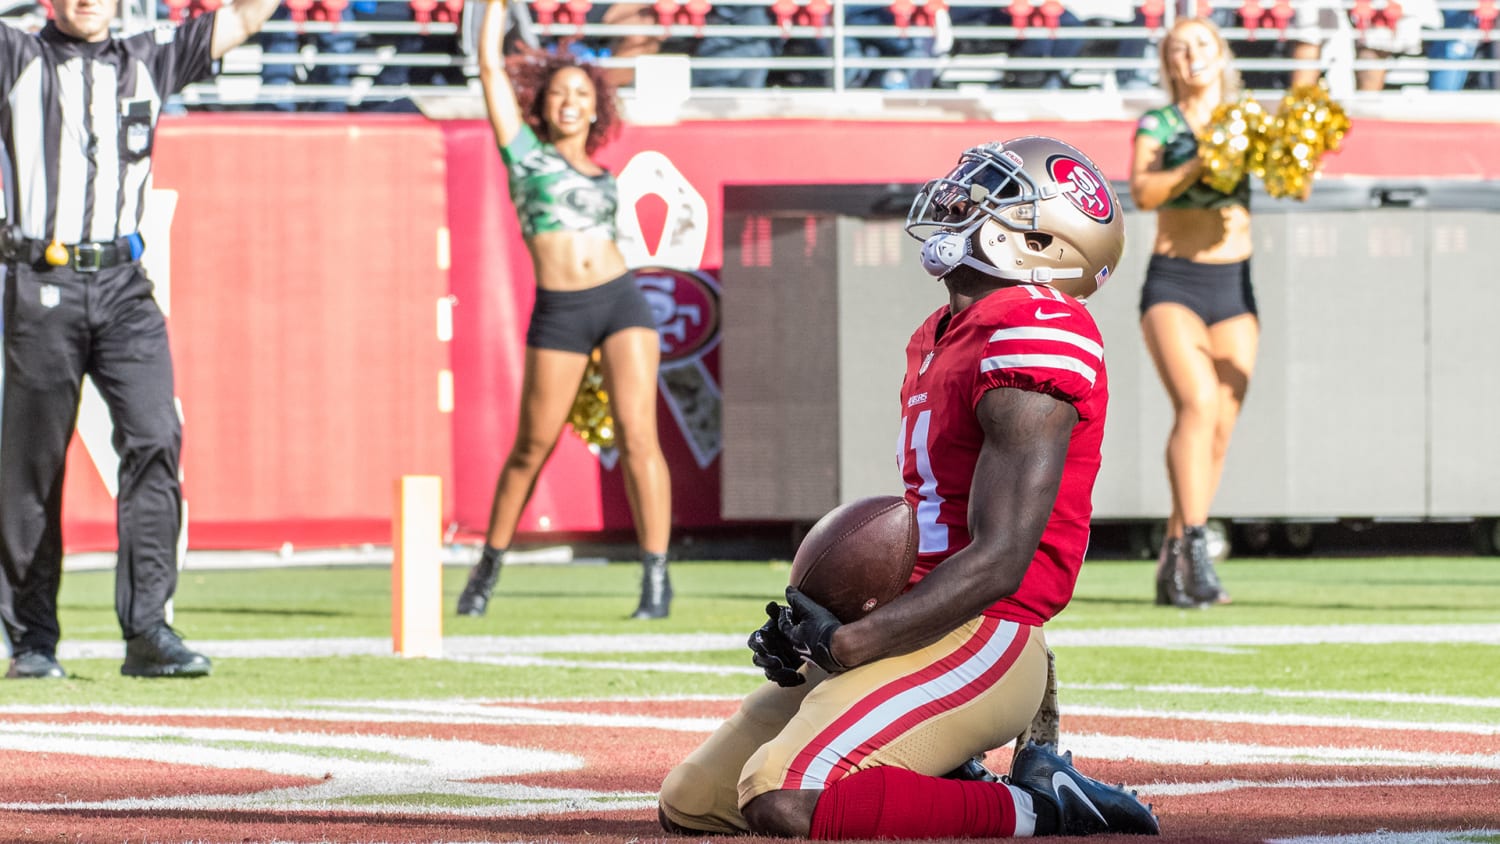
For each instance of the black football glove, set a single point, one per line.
(809, 626)
(772, 652)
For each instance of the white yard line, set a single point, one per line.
(496, 646)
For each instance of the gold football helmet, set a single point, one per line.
(1032, 210)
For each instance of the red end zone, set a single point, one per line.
(590, 772)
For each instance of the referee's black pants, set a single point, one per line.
(61, 325)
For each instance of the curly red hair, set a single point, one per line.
(531, 71)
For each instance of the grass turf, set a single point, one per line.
(727, 598)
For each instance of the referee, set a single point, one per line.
(78, 115)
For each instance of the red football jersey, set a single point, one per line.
(1027, 337)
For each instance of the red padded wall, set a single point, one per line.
(305, 275)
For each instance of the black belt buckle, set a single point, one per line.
(87, 257)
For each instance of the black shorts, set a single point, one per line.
(579, 320)
(1215, 292)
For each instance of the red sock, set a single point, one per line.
(887, 802)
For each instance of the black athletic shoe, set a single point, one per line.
(656, 590)
(482, 579)
(34, 665)
(1083, 806)
(1171, 576)
(161, 653)
(1203, 583)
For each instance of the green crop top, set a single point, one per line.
(551, 195)
(1171, 129)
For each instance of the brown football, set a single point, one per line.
(859, 556)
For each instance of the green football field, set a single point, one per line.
(1410, 638)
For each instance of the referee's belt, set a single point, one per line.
(82, 257)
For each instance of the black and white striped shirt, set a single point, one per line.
(78, 120)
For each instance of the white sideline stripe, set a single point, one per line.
(1332, 721)
(1144, 637)
(1292, 694)
(1179, 789)
(381, 711)
(1471, 836)
(1173, 752)
(664, 667)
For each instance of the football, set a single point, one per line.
(859, 556)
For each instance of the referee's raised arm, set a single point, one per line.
(236, 22)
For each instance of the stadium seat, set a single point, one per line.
(1024, 13)
(545, 11)
(298, 10)
(813, 13)
(1485, 14)
(175, 9)
(1256, 15)
(697, 13)
(907, 12)
(1152, 11)
(331, 11)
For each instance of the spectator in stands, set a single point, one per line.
(728, 46)
(1317, 22)
(395, 73)
(283, 75)
(896, 46)
(1463, 48)
(1197, 306)
(550, 113)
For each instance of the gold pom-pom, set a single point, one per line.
(1234, 144)
(1308, 126)
(590, 417)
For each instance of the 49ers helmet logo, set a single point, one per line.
(1082, 186)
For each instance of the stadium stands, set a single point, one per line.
(420, 51)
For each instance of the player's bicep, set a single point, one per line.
(1020, 467)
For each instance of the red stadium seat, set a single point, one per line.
(175, 9)
(578, 12)
(1023, 14)
(331, 11)
(1052, 12)
(790, 13)
(298, 10)
(1250, 13)
(697, 13)
(817, 12)
(908, 13)
(1485, 13)
(1363, 14)
(1281, 17)
(666, 11)
(1020, 13)
(421, 12)
(1153, 11)
(545, 11)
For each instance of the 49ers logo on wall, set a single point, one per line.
(686, 306)
(1082, 186)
